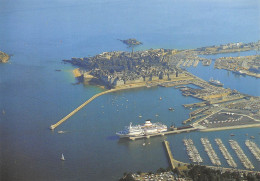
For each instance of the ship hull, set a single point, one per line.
(138, 135)
(142, 130)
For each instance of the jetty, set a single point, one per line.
(168, 150)
(53, 126)
(173, 163)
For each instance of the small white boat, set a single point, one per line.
(143, 144)
(62, 157)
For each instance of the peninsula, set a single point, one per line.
(4, 57)
(118, 68)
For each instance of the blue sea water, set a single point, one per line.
(39, 34)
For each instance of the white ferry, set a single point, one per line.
(141, 130)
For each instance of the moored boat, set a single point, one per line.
(216, 82)
(148, 128)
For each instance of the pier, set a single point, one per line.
(192, 151)
(210, 151)
(175, 163)
(241, 155)
(196, 62)
(164, 133)
(225, 153)
(197, 104)
(253, 148)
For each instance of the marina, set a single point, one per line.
(225, 153)
(241, 155)
(192, 151)
(253, 148)
(210, 151)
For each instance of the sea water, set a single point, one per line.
(33, 95)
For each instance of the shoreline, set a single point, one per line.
(245, 73)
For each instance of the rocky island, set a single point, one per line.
(4, 57)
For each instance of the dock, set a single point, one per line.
(225, 153)
(164, 133)
(210, 151)
(189, 63)
(253, 148)
(196, 62)
(197, 104)
(192, 151)
(241, 155)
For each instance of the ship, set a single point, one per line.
(215, 82)
(147, 128)
(240, 72)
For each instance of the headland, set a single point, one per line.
(118, 68)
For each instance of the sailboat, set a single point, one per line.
(62, 157)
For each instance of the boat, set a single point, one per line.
(148, 128)
(61, 132)
(171, 109)
(240, 72)
(160, 98)
(3, 111)
(216, 82)
(62, 157)
(232, 135)
(252, 137)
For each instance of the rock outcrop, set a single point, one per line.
(4, 57)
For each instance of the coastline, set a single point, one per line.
(246, 72)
